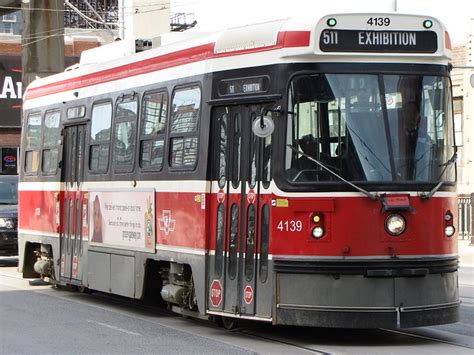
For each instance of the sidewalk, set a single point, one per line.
(466, 253)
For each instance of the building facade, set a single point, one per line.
(463, 92)
(11, 88)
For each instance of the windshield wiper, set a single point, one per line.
(450, 161)
(371, 195)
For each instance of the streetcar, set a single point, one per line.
(296, 172)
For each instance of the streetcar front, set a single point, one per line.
(364, 217)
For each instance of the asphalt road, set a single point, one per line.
(42, 319)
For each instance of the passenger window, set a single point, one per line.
(33, 141)
(236, 147)
(31, 161)
(223, 150)
(100, 137)
(219, 240)
(153, 129)
(267, 162)
(76, 112)
(50, 155)
(125, 135)
(185, 116)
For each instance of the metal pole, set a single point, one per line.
(472, 220)
(42, 39)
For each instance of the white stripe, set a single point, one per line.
(41, 186)
(39, 233)
(113, 327)
(198, 186)
(202, 186)
(193, 186)
(194, 251)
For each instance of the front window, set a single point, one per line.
(370, 128)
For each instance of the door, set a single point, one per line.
(73, 211)
(236, 202)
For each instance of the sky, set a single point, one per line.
(214, 15)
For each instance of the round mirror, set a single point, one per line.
(263, 126)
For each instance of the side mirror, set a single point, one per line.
(263, 126)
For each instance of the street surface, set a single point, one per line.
(43, 319)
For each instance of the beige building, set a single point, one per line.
(463, 92)
(143, 18)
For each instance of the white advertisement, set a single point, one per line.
(122, 218)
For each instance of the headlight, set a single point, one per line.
(449, 231)
(318, 232)
(7, 223)
(395, 224)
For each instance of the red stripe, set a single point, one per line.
(447, 40)
(186, 56)
(294, 38)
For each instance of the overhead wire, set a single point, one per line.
(166, 6)
(39, 36)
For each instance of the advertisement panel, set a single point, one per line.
(9, 158)
(122, 218)
(11, 91)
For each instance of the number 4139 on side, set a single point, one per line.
(290, 225)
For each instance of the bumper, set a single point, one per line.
(355, 301)
(367, 317)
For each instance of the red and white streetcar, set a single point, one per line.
(299, 172)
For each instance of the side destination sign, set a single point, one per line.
(378, 41)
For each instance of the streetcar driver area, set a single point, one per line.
(369, 128)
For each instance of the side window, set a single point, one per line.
(100, 137)
(125, 132)
(186, 111)
(153, 129)
(50, 155)
(267, 167)
(33, 142)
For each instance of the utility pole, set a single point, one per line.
(42, 39)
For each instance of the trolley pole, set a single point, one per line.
(42, 39)
(472, 220)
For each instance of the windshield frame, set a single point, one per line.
(380, 70)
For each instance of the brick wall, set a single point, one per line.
(10, 137)
(72, 49)
(77, 47)
(10, 48)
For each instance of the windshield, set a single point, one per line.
(8, 190)
(370, 128)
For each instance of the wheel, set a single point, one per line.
(83, 289)
(229, 323)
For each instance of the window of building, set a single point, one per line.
(185, 115)
(153, 129)
(100, 137)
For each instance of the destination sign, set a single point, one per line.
(378, 41)
(244, 86)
